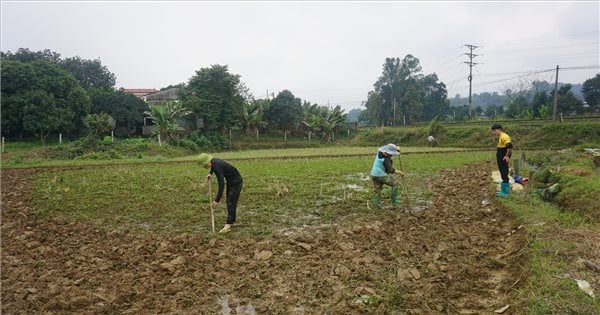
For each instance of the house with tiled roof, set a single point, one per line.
(141, 93)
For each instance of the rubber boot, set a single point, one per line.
(377, 202)
(504, 190)
(395, 200)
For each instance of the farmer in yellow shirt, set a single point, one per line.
(503, 153)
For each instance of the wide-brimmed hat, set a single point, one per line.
(204, 159)
(390, 149)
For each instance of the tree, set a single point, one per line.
(492, 111)
(126, 109)
(25, 55)
(18, 79)
(285, 111)
(435, 98)
(567, 103)
(411, 103)
(516, 107)
(164, 116)
(374, 111)
(331, 119)
(591, 92)
(252, 118)
(320, 119)
(539, 99)
(28, 88)
(97, 124)
(354, 114)
(215, 96)
(90, 73)
(41, 115)
(403, 92)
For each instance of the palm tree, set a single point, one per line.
(252, 117)
(331, 120)
(164, 116)
(322, 119)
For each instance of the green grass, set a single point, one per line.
(20, 162)
(549, 289)
(332, 151)
(525, 135)
(173, 198)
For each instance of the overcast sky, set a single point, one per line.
(323, 52)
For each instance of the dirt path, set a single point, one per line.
(456, 257)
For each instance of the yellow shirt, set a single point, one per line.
(503, 140)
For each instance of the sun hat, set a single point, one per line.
(204, 159)
(390, 149)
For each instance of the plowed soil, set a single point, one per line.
(461, 255)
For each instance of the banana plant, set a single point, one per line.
(164, 116)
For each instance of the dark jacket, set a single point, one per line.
(224, 171)
(387, 163)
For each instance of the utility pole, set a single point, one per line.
(471, 64)
(555, 95)
(267, 94)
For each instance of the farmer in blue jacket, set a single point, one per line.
(383, 173)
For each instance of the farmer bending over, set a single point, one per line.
(224, 171)
(383, 173)
(503, 152)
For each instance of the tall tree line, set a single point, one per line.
(43, 93)
(403, 93)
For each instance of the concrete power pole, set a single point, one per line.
(471, 64)
(555, 95)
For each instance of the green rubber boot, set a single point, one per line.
(376, 202)
(504, 190)
(395, 200)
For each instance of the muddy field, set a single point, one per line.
(461, 255)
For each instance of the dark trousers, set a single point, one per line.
(502, 165)
(233, 194)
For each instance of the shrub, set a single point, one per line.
(210, 141)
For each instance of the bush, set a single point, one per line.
(209, 141)
(189, 144)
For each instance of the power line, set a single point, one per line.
(432, 69)
(543, 39)
(511, 78)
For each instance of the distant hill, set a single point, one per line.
(486, 99)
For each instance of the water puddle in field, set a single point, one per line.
(239, 309)
(356, 187)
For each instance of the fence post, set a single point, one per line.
(112, 136)
(285, 136)
(159, 143)
(309, 136)
(256, 133)
(2, 149)
(229, 134)
(60, 138)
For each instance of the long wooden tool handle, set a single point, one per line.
(404, 184)
(212, 209)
